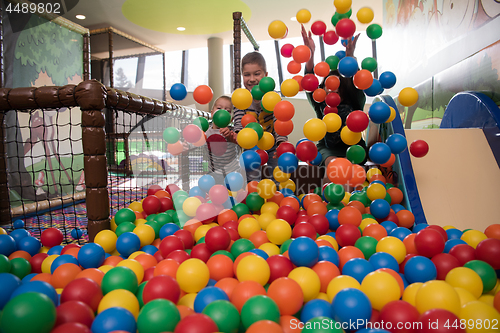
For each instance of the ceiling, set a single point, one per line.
(155, 21)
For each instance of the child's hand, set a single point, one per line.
(308, 41)
(228, 134)
(351, 45)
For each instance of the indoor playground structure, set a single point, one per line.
(402, 237)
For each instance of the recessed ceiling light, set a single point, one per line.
(181, 28)
(80, 17)
(293, 19)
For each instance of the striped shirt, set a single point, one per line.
(227, 162)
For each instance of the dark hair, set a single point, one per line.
(254, 58)
(348, 92)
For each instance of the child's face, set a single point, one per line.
(252, 74)
(222, 104)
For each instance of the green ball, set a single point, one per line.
(139, 293)
(266, 84)
(124, 227)
(337, 206)
(4, 264)
(156, 227)
(179, 201)
(257, 94)
(124, 215)
(224, 314)
(336, 18)
(241, 209)
(366, 216)
(361, 197)
(222, 118)
(180, 193)
(334, 193)
(485, 272)
(369, 63)
(374, 31)
(388, 198)
(28, 313)
(171, 135)
(201, 240)
(264, 109)
(356, 154)
(284, 247)
(181, 218)
(150, 217)
(367, 245)
(223, 252)
(120, 277)
(317, 325)
(202, 123)
(158, 315)
(240, 246)
(20, 267)
(317, 190)
(254, 201)
(163, 218)
(333, 62)
(258, 308)
(257, 128)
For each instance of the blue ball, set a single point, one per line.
(150, 249)
(234, 181)
(286, 192)
(389, 226)
(206, 182)
(315, 308)
(327, 253)
(358, 268)
(76, 233)
(28, 277)
(420, 269)
(114, 319)
(332, 234)
(55, 250)
(7, 245)
(288, 162)
(303, 251)
(178, 91)
(19, 234)
(380, 208)
(352, 306)
(348, 66)
(397, 143)
(18, 224)
(208, 295)
(9, 283)
(211, 283)
(379, 112)
(450, 243)
(196, 191)
(340, 54)
(379, 153)
(260, 253)
(375, 89)
(91, 255)
(384, 260)
(30, 245)
(454, 233)
(317, 160)
(301, 140)
(417, 227)
(397, 207)
(41, 287)
(127, 243)
(400, 233)
(405, 282)
(387, 79)
(250, 160)
(332, 217)
(61, 260)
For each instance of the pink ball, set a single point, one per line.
(318, 28)
(191, 133)
(218, 194)
(217, 238)
(419, 148)
(206, 213)
(345, 28)
(51, 237)
(286, 50)
(330, 37)
(357, 121)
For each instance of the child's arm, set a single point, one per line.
(309, 42)
(228, 134)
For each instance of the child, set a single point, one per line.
(253, 68)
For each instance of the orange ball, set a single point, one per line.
(94, 274)
(332, 83)
(276, 198)
(289, 324)
(294, 67)
(309, 199)
(298, 78)
(287, 294)
(203, 94)
(267, 326)
(339, 171)
(319, 95)
(493, 231)
(20, 254)
(323, 242)
(375, 230)
(292, 202)
(64, 274)
(326, 271)
(363, 79)
(220, 266)
(322, 69)
(226, 215)
(409, 243)
(390, 162)
(258, 238)
(377, 177)
(247, 119)
(301, 53)
(396, 195)
(317, 207)
(45, 277)
(184, 311)
(358, 205)
(227, 285)
(284, 111)
(192, 225)
(112, 260)
(238, 259)
(358, 176)
(243, 291)
(349, 252)
(283, 127)
(406, 218)
(162, 194)
(350, 215)
(496, 302)
(146, 260)
(166, 267)
(74, 250)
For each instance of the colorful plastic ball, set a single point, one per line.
(379, 112)
(277, 29)
(384, 260)
(224, 314)
(437, 295)
(379, 153)
(74, 312)
(308, 281)
(127, 243)
(348, 66)
(119, 277)
(380, 208)
(473, 237)
(258, 308)
(485, 272)
(203, 94)
(158, 315)
(315, 308)
(419, 269)
(374, 31)
(289, 88)
(488, 250)
(333, 61)
(370, 64)
(322, 69)
(250, 160)
(303, 16)
(387, 79)
(303, 251)
(284, 111)
(318, 28)
(241, 98)
(392, 246)
(29, 244)
(396, 142)
(301, 54)
(254, 268)
(287, 294)
(357, 268)
(365, 15)
(314, 129)
(479, 316)
(330, 37)
(345, 28)
(279, 231)
(309, 82)
(374, 90)
(221, 118)
(363, 79)
(419, 148)
(294, 67)
(408, 96)
(91, 255)
(286, 50)
(178, 91)
(381, 288)
(429, 242)
(192, 275)
(306, 151)
(270, 99)
(51, 237)
(247, 138)
(114, 319)
(352, 306)
(288, 162)
(170, 135)
(208, 295)
(342, 6)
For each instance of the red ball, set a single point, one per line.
(419, 148)
(73, 328)
(153, 189)
(318, 28)
(74, 312)
(67, 247)
(196, 323)
(200, 251)
(440, 230)
(444, 263)
(233, 233)
(169, 244)
(488, 251)
(440, 321)
(203, 94)
(357, 121)
(178, 255)
(279, 265)
(285, 147)
(84, 290)
(329, 109)
(172, 188)
(402, 264)
(166, 204)
(347, 235)
(320, 223)
(330, 37)
(287, 213)
(302, 218)
(304, 229)
(151, 204)
(148, 274)
(463, 252)
(230, 225)
(36, 262)
(161, 286)
(399, 314)
(332, 99)
(51, 237)
(186, 238)
(217, 238)
(286, 50)
(306, 151)
(310, 82)
(345, 28)
(264, 156)
(429, 242)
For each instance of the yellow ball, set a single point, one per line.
(473, 237)
(411, 292)
(247, 138)
(188, 300)
(136, 206)
(269, 207)
(376, 191)
(341, 282)
(107, 239)
(408, 96)
(290, 88)
(366, 222)
(314, 129)
(279, 231)
(277, 29)
(120, 298)
(241, 98)
(270, 99)
(138, 222)
(113, 224)
(437, 294)
(266, 142)
(135, 266)
(347, 196)
(349, 137)
(330, 240)
(135, 254)
(44, 249)
(290, 184)
(394, 246)
(373, 171)
(488, 299)
(247, 227)
(381, 288)
(191, 204)
(480, 317)
(280, 176)
(392, 116)
(2, 231)
(146, 234)
(333, 122)
(342, 6)
(466, 278)
(265, 219)
(47, 262)
(303, 16)
(253, 268)
(192, 275)
(365, 15)
(105, 268)
(201, 231)
(266, 188)
(465, 296)
(308, 281)
(270, 248)
(323, 296)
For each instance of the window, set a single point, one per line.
(125, 72)
(226, 58)
(197, 68)
(153, 72)
(173, 68)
